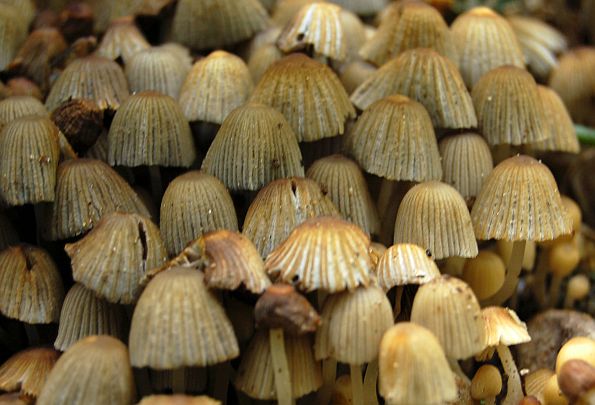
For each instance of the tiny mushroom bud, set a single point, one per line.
(576, 348)
(552, 394)
(577, 289)
(529, 400)
(575, 378)
(486, 384)
(485, 274)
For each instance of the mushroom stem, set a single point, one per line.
(357, 387)
(398, 298)
(514, 390)
(539, 279)
(555, 290)
(512, 276)
(32, 334)
(370, 397)
(329, 374)
(156, 183)
(280, 367)
(178, 383)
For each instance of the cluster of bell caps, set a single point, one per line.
(431, 80)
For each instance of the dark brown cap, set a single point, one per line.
(81, 121)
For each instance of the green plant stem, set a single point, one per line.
(585, 134)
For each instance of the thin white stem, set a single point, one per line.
(357, 387)
(280, 367)
(329, 374)
(514, 390)
(370, 379)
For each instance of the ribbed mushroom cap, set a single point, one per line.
(281, 206)
(214, 87)
(96, 370)
(84, 314)
(255, 375)
(484, 41)
(261, 59)
(32, 290)
(29, 154)
(122, 40)
(503, 327)
(114, 257)
(178, 400)
(520, 201)
(150, 129)
(81, 122)
(404, 264)
(297, 80)
(12, 33)
(427, 77)
(352, 325)
(15, 107)
(557, 124)
(433, 215)
(87, 189)
(413, 25)
(254, 146)
(205, 24)
(323, 253)
(428, 378)
(157, 69)
(25, 9)
(466, 162)
(343, 181)
(508, 106)
(449, 309)
(27, 370)
(175, 297)
(394, 139)
(316, 25)
(92, 77)
(194, 203)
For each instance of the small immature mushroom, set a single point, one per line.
(575, 378)
(122, 40)
(576, 348)
(27, 370)
(552, 395)
(15, 107)
(81, 122)
(563, 259)
(409, 353)
(297, 80)
(317, 26)
(486, 384)
(84, 314)
(535, 381)
(355, 34)
(485, 274)
(21, 86)
(577, 289)
(94, 370)
(261, 59)
(178, 400)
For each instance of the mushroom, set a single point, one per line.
(353, 74)
(262, 58)
(178, 400)
(15, 107)
(81, 122)
(363, 8)
(13, 32)
(485, 274)
(27, 370)
(575, 378)
(578, 347)
(486, 384)
(552, 395)
(563, 259)
(535, 382)
(578, 288)
(122, 40)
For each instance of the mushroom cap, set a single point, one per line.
(578, 347)
(254, 146)
(15, 107)
(366, 8)
(29, 155)
(411, 347)
(32, 290)
(485, 40)
(175, 297)
(345, 185)
(150, 129)
(84, 314)
(94, 370)
(394, 139)
(484, 273)
(27, 370)
(323, 253)
(449, 309)
(434, 215)
(281, 206)
(114, 257)
(427, 77)
(92, 77)
(486, 383)
(317, 25)
(413, 25)
(352, 325)
(509, 108)
(178, 400)
(81, 122)
(261, 59)
(215, 86)
(297, 80)
(503, 327)
(13, 32)
(256, 376)
(403, 264)
(354, 73)
(122, 40)
(535, 381)
(519, 200)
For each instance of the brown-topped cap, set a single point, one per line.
(575, 378)
(81, 122)
(403, 264)
(27, 370)
(503, 327)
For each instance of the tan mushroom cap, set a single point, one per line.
(394, 139)
(255, 375)
(323, 253)
(411, 347)
(404, 264)
(122, 40)
(520, 201)
(27, 370)
(32, 289)
(114, 257)
(94, 370)
(15, 107)
(281, 206)
(178, 400)
(352, 325)
(503, 327)
(434, 215)
(366, 8)
(174, 297)
(535, 381)
(261, 59)
(12, 33)
(355, 34)
(449, 309)
(297, 80)
(317, 25)
(254, 146)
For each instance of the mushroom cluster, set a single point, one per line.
(320, 202)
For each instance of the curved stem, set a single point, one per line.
(280, 367)
(329, 374)
(514, 390)
(370, 379)
(539, 278)
(512, 276)
(555, 290)
(357, 387)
